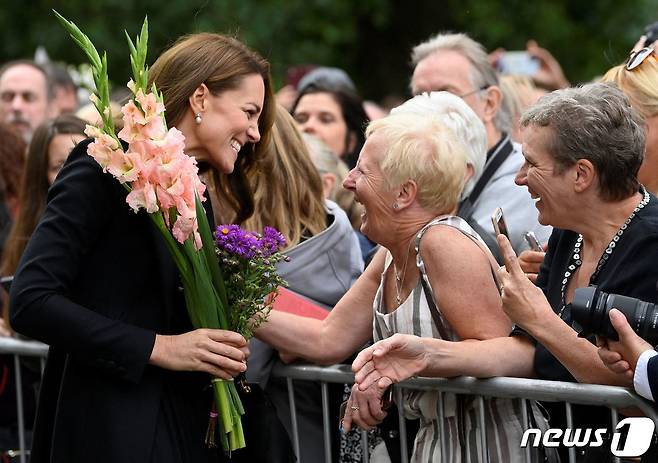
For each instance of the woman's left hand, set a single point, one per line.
(364, 408)
(523, 302)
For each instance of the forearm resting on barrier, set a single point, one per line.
(403, 356)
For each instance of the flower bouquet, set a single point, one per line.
(252, 282)
(161, 179)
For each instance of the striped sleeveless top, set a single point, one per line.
(458, 428)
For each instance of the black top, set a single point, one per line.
(631, 270)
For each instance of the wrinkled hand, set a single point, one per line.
(4, 329)
(364, 408)
(530, 262)
(390, 361)
(550, 74)
(523, 302)
(221, 353)
(621, 356)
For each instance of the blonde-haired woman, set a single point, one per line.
(325, 260)
(638, 79)
(431, 278)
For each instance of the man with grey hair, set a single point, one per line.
(26, 96)
(457, 64)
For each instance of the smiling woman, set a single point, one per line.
(107, 301)
(583, 149)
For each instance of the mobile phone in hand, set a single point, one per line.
(533, 242)
(498, 222)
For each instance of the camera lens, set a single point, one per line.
(590, 308)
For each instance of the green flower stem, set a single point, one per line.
(229, 416)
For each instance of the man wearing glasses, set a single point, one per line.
(457, 64)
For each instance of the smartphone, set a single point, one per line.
(498, 221)
(517, 62)
(533, 242)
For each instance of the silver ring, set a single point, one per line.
(355, 408)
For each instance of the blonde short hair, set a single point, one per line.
(461, 119)
(427, 151)
(640, 85)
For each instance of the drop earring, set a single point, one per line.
(197, 119)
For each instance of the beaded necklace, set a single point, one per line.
(576, 261)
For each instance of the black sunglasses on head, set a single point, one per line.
(638, 57)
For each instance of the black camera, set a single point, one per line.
(590, 308)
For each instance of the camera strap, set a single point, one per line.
(498, 155)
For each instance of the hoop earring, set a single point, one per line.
(197, 119)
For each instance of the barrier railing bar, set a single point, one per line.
(482, 424)
(23, 348)
(552, 391)
(526, 424)
(325, 421)
(614, 418)
(365, 450)
(293, 417)
(534, 389)
(402, 424)
(569, 413)
(442, 431)
(19, 408)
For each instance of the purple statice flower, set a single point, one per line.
(235, 240)
(271, 241)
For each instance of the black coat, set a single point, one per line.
(96, 283)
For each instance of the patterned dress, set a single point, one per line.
(459, 424)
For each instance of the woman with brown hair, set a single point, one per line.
(127, 375)
(50, 146)
(324, 262)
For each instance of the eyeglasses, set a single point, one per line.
(477, 90)
(638, 57)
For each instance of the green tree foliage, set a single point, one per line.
(371, 39)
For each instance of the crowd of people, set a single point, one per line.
(387, 217)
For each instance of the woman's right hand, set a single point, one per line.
(221, 353)
(390, 360)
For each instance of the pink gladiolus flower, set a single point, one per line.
(145, 123)
(104, 149)
(142, 196)
(151, 107)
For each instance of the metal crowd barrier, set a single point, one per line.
(529, 389)
(19, 349)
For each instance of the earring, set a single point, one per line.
(396, 205)
(197, 119)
